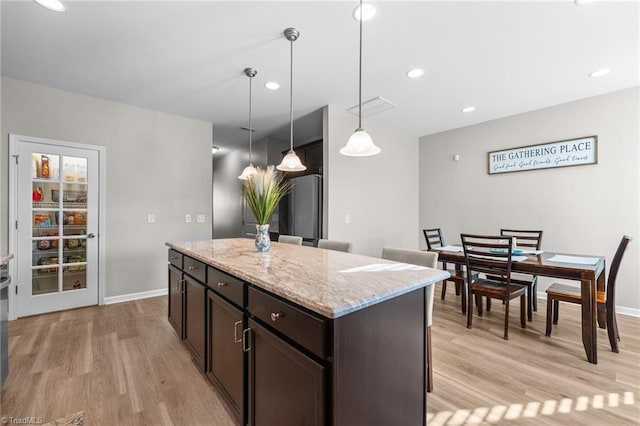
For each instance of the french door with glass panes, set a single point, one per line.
(57, 227)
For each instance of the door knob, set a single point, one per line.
(91, 235)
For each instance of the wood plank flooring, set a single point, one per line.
(479, 378)
(120, 364)
(124, 365)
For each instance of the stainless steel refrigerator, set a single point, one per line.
(300, 212)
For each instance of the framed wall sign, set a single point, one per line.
(572, 152)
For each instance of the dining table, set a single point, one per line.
(590, 275)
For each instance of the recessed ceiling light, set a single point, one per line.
(368, 12)
(468, 109)
(415, 73)
(582, 2)
(54, 5)
(272, 85)
(600, 73)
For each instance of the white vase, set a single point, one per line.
(263, 242)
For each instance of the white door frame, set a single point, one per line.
(13, 210)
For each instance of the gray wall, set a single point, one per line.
(583, 209)
(155, 163)
(378, 193)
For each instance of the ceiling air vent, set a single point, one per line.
(372, 107)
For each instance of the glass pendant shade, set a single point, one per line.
(359, 144)
(291, 163)
(248, 171)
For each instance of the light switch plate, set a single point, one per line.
(187, 218)
(151, 218)
(201, 218)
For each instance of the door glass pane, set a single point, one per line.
(74, 277)
(45, 280)
(74, 195)
(45, 167)
(74, 169)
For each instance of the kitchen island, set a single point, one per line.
(301, 335)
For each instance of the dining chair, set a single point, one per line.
(492, 256)
(430, 260)
(335, 245)
(567, 293)
(435, 239)
(290, 239)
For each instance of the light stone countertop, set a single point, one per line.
(5, 257)
(330, 283)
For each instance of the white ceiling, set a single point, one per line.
(187, 58)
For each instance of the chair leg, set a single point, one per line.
(556, 309)
(469, 307)
(463, 298)
(479, 304)
(535, 294)
(429, 362)
(612, 330)
(506, 319)
(530, 302)
(457, 288)
(488, 304)
(549, 314)
(444, 290)
(523, 307)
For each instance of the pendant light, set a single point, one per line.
(249, 170)
(291, 162)
(360, 143)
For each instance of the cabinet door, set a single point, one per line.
(225, 357)
(285, 386)
(313, 156)
(176, 300)
(194, 327)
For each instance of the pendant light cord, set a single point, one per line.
(360, 75)
(250, 123)
(291, 98)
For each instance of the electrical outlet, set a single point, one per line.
(151, 218)
(187, 218)
(201, 218)
(347, 218)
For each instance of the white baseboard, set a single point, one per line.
(622, 310)
(135, 296)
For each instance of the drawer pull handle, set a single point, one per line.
(235, 331)
(173, 258)
(275, 316)
(192, 268)
(245, 340)
(181, 284)
(222, 284)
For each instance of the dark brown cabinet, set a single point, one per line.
(286, 387)
(225, 355)
(176, 300)
(194, 319)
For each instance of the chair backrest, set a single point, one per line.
(335, 245)
(290, 239)
(420, 258)
(524, 238)
(488, 254)
(613, 271)
(433, 237)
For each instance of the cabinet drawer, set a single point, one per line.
(175, 258)
(304, 328)
(226, 285)
(195, 268)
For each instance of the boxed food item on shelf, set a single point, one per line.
(42, 219)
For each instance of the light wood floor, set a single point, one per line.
(479, 378)
(123, 365)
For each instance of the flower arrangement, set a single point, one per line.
(263, 191)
